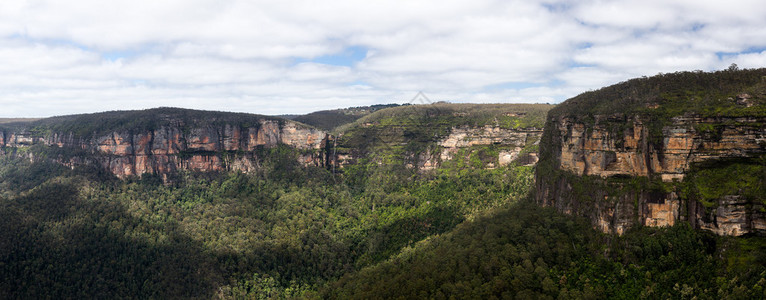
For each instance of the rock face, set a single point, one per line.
(177, 146)
(465, 137)
(510, 142)
(598, 150)
(591, 166)
(733, 216)
(164, 141)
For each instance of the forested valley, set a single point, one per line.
(369, 230)
(299, 232)
(284, 231)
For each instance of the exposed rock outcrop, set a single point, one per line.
(178, 146)
(517, 139)
(600, 159)
(510, 141)
(656, 151)
(600, 150)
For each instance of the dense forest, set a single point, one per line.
(286, 230)
(292, 231)
(368, 230)
(524, 251)
(731, 92)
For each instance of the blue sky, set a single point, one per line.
(346, 57)
(298, 56)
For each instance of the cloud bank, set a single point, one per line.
(296, 56)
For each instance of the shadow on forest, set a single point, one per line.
(390, 239)
(55, 245)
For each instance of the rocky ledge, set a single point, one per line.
(617, 155)
(176, 144)
(683, 147)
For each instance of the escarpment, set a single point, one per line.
(172, 142)
(596, 149)
(427, 137)
(665, 156)
(165, 141)
(513, 141)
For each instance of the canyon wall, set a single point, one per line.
(510, 144)
(622, 170)
(176, 146)
(598, 150)
(164, 141)
(512, 140)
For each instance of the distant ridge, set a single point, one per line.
(17, 120)
(86, 125)
(332, 119)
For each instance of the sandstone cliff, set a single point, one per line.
(512, 145)
(513, 142)
(164, 141)
(425, 137)
(173, 142)
(632, 167)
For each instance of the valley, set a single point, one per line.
(650, 188)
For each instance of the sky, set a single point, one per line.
(298, 56)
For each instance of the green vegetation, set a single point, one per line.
(98, 124)
(17, 120)
(377, 228)
(369, 232)
(285, 230)
(674, 94)
(439, 115)
(328, 120)
(524, 251)
(708, 183)
(404, 133)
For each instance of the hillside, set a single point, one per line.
(421, 201)
(329, 120)
(16, 120)
(96, 124)
(88, 212)
(682, 152)
(708, 94)
(427, 136)
(681, 147)
(162, 141)
(166, 141)
(453, 114)
(525, 251)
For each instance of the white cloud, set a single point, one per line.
(256, 56)
(748, 60)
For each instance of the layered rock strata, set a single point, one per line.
(511, 142)
(176, 146)
(514, 139)
(589, 167)
(600, 150)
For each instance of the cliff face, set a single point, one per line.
(443, 135)
(657, 169)
(164, 141)
(597, 150)
(513, 140)
(461, 143)
(177, 146)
